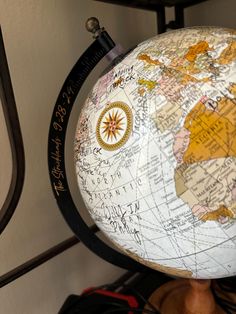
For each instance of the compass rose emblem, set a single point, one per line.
(114, 125)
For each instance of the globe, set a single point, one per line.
(155, 153)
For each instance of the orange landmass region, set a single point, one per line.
(195, 50)
(141, 91)
(190, 68)
(148, 59)
(232, 89)
(222, 214)
(212, 131)
(228, 54)
(215, 215)
(118, 82)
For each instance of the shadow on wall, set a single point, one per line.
(213, 13)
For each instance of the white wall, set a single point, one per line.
(212, 12)
(43, 40)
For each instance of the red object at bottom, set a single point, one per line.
(128, 299)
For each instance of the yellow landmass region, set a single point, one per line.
(195, 50)
(150, 85)
(228, 54)
(212, 132)
(222, 211)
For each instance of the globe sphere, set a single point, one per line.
(155, 153)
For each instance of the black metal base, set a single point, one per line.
(141, 286)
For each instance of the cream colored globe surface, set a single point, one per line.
(155, 152)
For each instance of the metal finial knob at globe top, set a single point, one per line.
(93, 26)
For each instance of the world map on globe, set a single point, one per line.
(155, 153)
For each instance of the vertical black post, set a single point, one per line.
(7, 100)
(179, 16)
(161, 19)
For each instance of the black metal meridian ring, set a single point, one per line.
(14, 132)
(56, 154)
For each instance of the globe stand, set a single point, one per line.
(177, 297)
(189, 296)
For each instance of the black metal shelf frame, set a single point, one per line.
(14, 133)
(102, 45)
(159, 6)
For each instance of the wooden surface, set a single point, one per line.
(185, 297)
